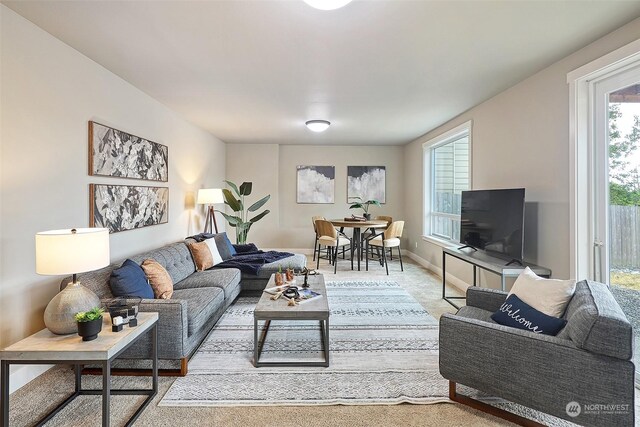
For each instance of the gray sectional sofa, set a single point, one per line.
(198, 301)
(251, 283)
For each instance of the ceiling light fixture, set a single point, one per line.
(327, 4)
(318, 125)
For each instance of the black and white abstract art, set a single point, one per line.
(366, 182)
(116, 153)
(316, 184)
(126, 207)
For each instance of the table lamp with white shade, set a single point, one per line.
(210, 196)
(70, 251)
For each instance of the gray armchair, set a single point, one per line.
(588, 362)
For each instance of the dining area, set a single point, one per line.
(357, 240)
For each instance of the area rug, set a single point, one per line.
(384, 350)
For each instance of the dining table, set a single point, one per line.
(358, 226)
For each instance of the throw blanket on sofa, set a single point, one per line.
(250, 262)
(248, 259)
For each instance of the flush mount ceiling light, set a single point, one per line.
(317, 125)
(327, 4)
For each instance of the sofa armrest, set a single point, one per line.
(485, 298)
(172, 329)
(539, 371)
(173, 313)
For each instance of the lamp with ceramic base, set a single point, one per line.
(210, 196)
(70, 251)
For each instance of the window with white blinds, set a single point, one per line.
(447, 174)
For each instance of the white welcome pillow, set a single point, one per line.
(549, 296)
(217, 259)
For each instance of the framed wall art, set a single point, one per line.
(127, 207)
(366, 182)
(115, 153)
(316, 184)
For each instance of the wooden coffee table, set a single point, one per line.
(268, 310)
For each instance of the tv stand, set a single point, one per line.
(468, 246)
(481, 260)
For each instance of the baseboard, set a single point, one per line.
(451, 279)
(20, 375)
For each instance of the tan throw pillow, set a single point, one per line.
(159, 279)
(201, 254)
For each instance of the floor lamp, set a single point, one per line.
(210, 196)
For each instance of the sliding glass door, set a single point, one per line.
(616, 191)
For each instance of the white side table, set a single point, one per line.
(45, 347)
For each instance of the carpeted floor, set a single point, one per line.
(40, 395)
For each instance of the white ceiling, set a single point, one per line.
(383, 72)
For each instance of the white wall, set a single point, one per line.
(520, 139)
(48, 93)
(272, 168)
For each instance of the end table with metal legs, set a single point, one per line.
(57, 357)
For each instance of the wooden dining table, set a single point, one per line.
(358, 226)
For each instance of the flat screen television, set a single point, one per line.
(493, 221)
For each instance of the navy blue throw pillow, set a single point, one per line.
(225, 248)
(130, 281)
(516, 313)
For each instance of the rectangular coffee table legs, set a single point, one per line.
(258, 343)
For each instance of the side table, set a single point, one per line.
(44, 347)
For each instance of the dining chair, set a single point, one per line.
(388, 239)
(315, 230)
(333, 239)
(371, 231)
(385, 218)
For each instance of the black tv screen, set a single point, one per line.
(493, 220)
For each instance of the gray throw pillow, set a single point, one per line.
(224, 246)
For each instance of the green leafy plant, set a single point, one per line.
(241, 221)
(87, 316)
(364, 205)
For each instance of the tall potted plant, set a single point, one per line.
(241, 221)
(364, 206)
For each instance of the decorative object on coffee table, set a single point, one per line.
(278, 279)
(241, 221)
(113, 152)
(366, 183)
(127, 207)
(70, 251)
(210, 196)
(89, 323)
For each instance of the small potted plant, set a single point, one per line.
(89, 323)
(364, 206)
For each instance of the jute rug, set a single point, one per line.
(384, 350)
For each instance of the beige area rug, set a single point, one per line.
(384, 350)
